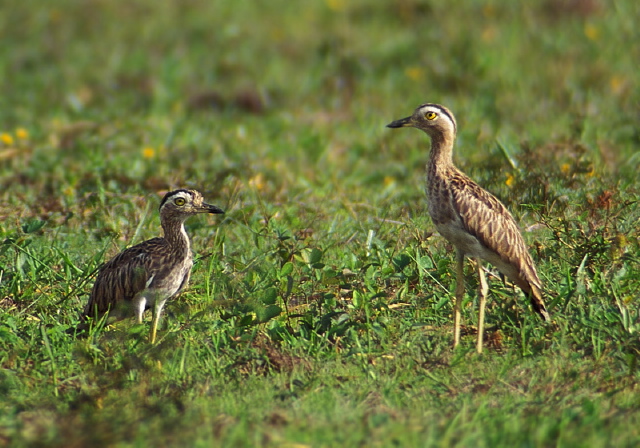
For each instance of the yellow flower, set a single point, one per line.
(509, 180)
(488, 11)
(489, 34)
(6, 138)
(55, 15)
(335, 5)
(617, 84)
(257, 182)
(591, 31)
(22, 134)
(177, 107)
(148, 152)
(277, 34)
(564, 168)
(414, 73)
(388, 180)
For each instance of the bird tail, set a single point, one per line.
(537, 302)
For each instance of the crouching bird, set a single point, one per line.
(150, 273)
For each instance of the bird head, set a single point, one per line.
(434, 119)
(183, 203)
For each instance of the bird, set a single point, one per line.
(474, 221)
(150, 273)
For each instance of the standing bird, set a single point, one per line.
(152, 272)
(472, 219)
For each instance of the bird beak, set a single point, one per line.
(206, 208)
(403, 123)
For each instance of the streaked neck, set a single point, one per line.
(175, 234)
(441, 154)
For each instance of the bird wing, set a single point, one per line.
(486, 218)
(124, 276)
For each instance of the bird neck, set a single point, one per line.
(175, 234)
(441, 152)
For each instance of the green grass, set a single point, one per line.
(319, 311)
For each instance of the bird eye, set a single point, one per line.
(179, 201)
(430, 115)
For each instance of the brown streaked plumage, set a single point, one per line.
(471, 218)
(152, 272)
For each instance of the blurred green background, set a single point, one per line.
(319, 311)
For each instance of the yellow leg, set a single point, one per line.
(157, 311)
(459, 294)
(483, 290)
(154, 329)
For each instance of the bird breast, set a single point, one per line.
(170, 280)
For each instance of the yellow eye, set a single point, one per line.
(430, 115)
(179, 201)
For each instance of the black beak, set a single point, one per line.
(403, 123)
(212, 209)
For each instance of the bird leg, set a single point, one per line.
(157, 311)
(459, 294)
(483, 290)
(139, 303)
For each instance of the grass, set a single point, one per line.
(319, 311)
